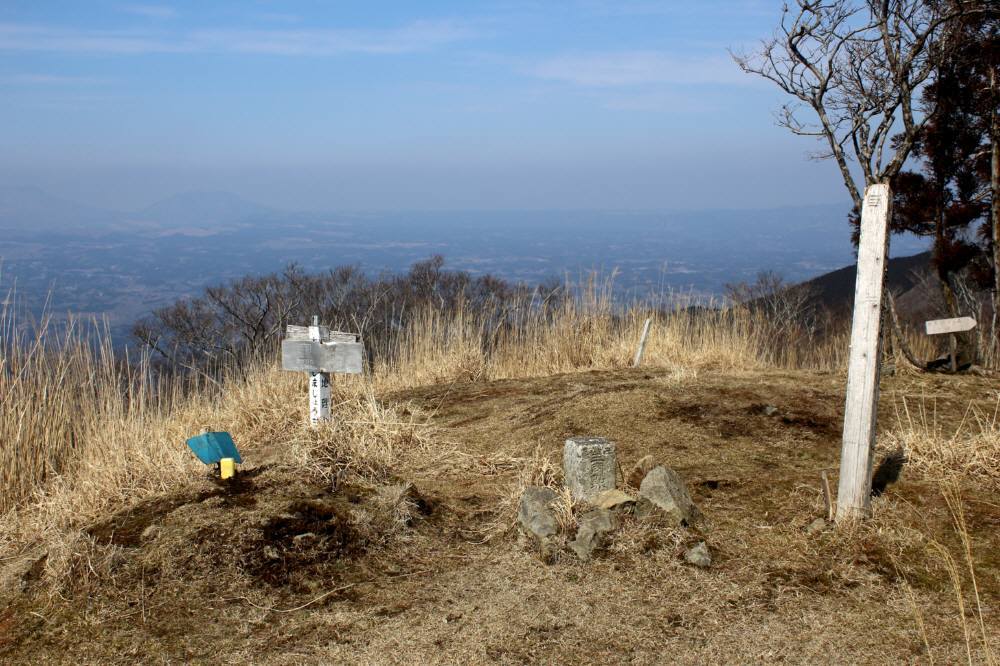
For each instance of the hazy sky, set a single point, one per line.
(373, 105)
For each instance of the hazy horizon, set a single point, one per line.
(133, 204)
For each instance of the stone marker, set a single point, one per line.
(589, 466)
(664, 489)
(699, 555)
(593, 525)
(535, 514)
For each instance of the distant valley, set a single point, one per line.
(124, 264)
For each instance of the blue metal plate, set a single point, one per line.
(211, 447)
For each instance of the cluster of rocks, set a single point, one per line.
(590, 468)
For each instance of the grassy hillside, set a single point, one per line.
(388, 535)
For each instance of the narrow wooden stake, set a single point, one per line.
(319, 385)
(642, 344)
(827, 495)
(953, 349)
(861, 410)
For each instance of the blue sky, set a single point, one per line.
(376, 105)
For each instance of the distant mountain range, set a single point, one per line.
(121, 264)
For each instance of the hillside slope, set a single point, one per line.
(835, 289)
(268, 570)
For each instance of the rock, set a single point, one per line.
(769, 410)
(639, 471)
(614, 500)
(592, 526)
(815, 526)
(699, 555)
(589, 466)
(943, 362)
(304, 540)
(535, 513)
(664, 489)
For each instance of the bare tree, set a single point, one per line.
(231, 323)
(856, 69)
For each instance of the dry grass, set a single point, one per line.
(84, 434)
(970, 450)
(963, 575)
(591, 332)
(67, 403)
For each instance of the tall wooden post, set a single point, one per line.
(854, 491)
(319, 385)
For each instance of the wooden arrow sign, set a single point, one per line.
(955, 325)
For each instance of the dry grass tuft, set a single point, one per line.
(961, 573)
(971, 450)
(366, 439)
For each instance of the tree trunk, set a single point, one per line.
(995, 205)
(901, 342)
(942, 274)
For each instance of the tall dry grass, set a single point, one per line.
(83, 432)
(969, 450)
(590, 331)
(977, 636)
(83, 429)
(66, 400)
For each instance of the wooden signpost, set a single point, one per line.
(319, 351)
(950, 327)
(637, 361)
(854, 489)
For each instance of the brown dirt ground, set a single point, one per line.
(216, 574)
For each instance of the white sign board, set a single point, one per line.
(956, 325)
(319, 351)
(309, 356)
